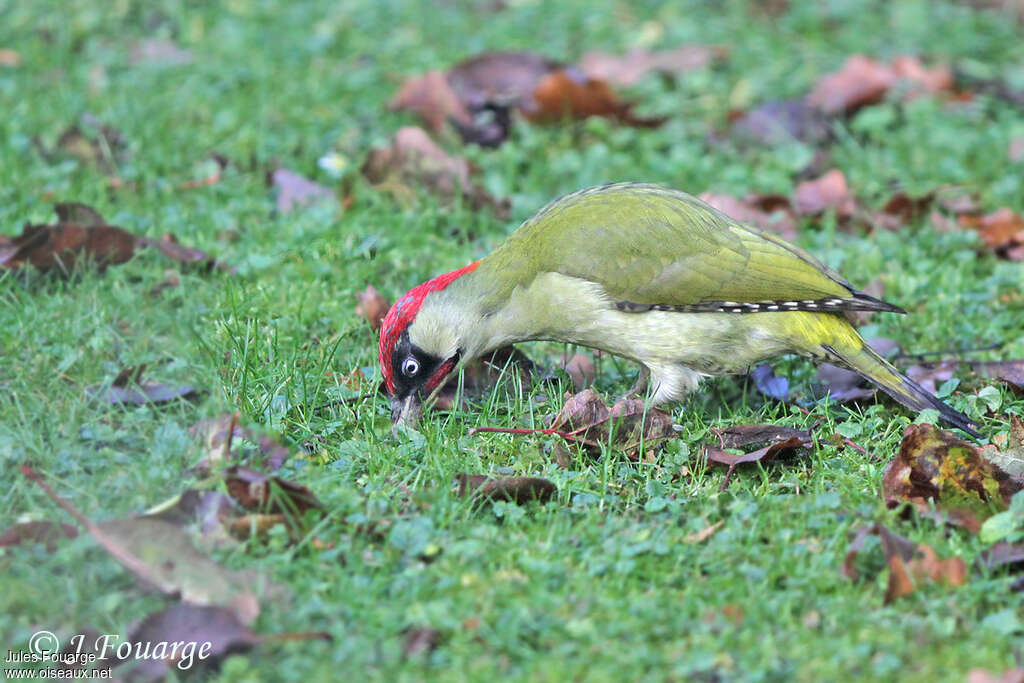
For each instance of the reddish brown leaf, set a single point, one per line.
(371, 305)
(830, 191)
(565, 93)
(931, 375)
(704, 534)
(513, 489)
(1003, 554)
(254, 490)
(580, 369)
(413, 158)
(433, 99)
(626, 70)
(1009, 371)
(48, 247)
(502, 77)
(630, 423)
(779, 439)
(47, 533)
(773, 213)
(863, 81)
(1002, 231)
(909, 565)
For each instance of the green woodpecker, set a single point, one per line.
(647, 273)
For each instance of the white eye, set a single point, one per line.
(410, 367)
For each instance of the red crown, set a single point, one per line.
(404, 312)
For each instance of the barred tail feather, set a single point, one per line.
(872, 367)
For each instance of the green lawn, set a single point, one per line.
(601, 583)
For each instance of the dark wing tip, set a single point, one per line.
(866, 302)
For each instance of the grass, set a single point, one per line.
(600, 584)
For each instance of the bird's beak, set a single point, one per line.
(406, 411)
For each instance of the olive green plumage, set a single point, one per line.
(659, 277)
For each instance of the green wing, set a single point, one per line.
(647, 244)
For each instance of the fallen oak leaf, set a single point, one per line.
(512, 489)
(566, 93)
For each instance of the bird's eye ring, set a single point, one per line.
(410, 367)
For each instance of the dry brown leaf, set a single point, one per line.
(567, 94)
(773, 213)
(781, 121)
(1002, 231)
(433, 99)
(413, 158)
(580, 369)
(513, 489)
(779, 439)
(909, 564)
(830, 191)
(372, 306)
(1009, 371)
(935, 468)
(628, 69)
(627, 425)
(862, 81)
(224, 440)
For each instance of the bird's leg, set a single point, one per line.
(639, 389)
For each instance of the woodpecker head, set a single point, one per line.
(420, 345)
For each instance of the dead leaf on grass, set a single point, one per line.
(830, 191)
(295, 191)
(162, 556)
(626, 70)
(229, 443)
(513, 489)
(128, 388)
(862, 81)
(935, 468)
(1015, 151)
(9, 58)
(372, 306)
(704, 534)
(780, 440)
(780, 121)
(1010, 675)
(1002, 231)
(627, 425)
(1009, 371)
(420, 640)
(773, 213)
(580, 369)
(413, 158)
(42, 531)
(910, 564)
